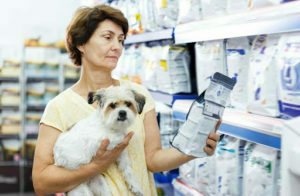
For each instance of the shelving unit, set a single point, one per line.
(282, 18)
(250, 127)
(170, 99)
(150, 36)
(22, 168)
(9, 79)
(271, 20)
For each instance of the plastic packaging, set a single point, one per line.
(262, 91)
(209, 59)
(238, 52)
(288, 74)
(166, 13)
(260, 170)
(229, 166)
(203, 116)
(189, 10)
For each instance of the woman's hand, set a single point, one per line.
(104, 157)
(212, 140)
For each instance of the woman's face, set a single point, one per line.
(104, 47)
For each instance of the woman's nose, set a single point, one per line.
(117, 45)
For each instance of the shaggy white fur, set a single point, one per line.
(118, 107)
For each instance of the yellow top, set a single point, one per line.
(68, 108)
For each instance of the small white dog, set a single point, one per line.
(118, 107)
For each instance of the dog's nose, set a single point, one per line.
(122, 113)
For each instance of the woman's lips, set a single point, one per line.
(113, 57)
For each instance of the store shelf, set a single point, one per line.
(170, 99)
(275, 19)
(13, 107)
(250, 127)
(41, 79)
(71, 80)
(151, 36)
(31, 135)
(9, 163)
(35, 107)
(9, 79)
(9, 136)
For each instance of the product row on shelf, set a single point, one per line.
(244, 163)
(266, 68)
(149, 15)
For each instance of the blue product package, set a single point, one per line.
(289, 76)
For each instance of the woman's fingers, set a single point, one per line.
(214, 136)
(209, 151)
(125, 142)
(211, 143)
(104, 145)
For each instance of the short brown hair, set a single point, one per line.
(84, 23)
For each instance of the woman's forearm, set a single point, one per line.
(167, 159)
(55, 179)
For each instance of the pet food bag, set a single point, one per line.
(238, 50)
(189, 10)
(173, 74)
(288, 74)
(260, 170)
(209, 59)
(229, 166)
(203, 116)
(262, 88)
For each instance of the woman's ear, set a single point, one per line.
(80, 48)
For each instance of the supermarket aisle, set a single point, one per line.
(173, 48)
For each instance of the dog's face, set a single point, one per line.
(118, 106)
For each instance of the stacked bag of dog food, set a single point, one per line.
(159, 66)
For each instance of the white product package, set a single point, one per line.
(260, 170)
(238, 50)
(288, 73)
(211, 9)
(189, 10)
(148, 16)
(262, 88)
(203, 116)
(173, 74)
(205, 177)
(166, 13)
(150, 56)
(134, 16)
(235, 6)
(209, 59)
(200, 174)
(229, 166)
(262, 3)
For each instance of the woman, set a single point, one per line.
(95, 39)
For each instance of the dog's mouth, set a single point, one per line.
(122, 118)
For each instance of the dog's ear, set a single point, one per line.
(140, 100)
(91, 99)
(96, 96)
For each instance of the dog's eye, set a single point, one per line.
(112, 105)
(128, 104)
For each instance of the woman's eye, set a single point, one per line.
(112, 105)
(107, 37)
